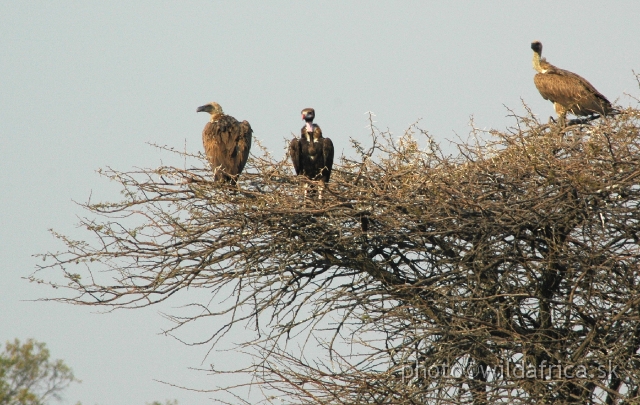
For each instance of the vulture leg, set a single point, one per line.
(562, 114)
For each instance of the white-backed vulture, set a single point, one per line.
(226, 143)
(312, 154)
(569, 92)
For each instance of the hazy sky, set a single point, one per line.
(85, 84)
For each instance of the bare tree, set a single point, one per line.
(506, 274)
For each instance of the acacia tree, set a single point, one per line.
(28, 377)
(506, 274)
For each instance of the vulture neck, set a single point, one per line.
(215, 116)
(309, 127)
(536, 63)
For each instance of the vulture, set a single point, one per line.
(312, 154)
(226, 143)
(566, 90)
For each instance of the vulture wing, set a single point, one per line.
(571, 91)
(243, 145)
(295, 151)
(327, 152)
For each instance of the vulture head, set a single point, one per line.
(308, 114)
(537, 47)
(539, 64)
(212, 108)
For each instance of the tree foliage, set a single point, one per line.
(506, 274)
(28, 377)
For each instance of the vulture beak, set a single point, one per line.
(204, 108)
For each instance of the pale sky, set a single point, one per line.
(85, 84)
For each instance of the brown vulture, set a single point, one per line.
(226, 143)
(312, 154)
(566, 90)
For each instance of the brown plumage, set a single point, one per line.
(312, 154)
(569, 92)
(226, 143)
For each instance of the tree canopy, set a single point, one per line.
(28, 377)
(508, 273)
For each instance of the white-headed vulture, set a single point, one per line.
(569, 92)
(226, 143)
(312, 154)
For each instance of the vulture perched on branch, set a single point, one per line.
(226, 143)
(566, 90)
(312, 154)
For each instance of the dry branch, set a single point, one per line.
(520, 254)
